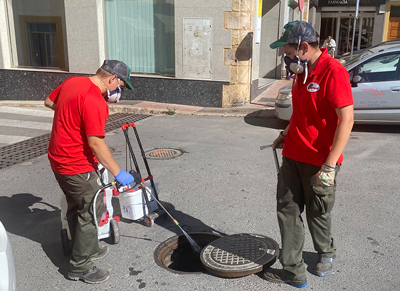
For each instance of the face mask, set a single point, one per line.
(295, 66)
(115, 96)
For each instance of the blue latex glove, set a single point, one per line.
(124, 178)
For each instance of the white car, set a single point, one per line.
(7, 268)
(375, 83)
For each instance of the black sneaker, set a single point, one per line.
(279, 276)
(103, 251)
(324, 266)
(92, 276)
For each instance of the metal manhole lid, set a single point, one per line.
(239, 254)
(163, 154)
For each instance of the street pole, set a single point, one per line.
(354, 29)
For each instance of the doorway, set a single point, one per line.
(340, 27)
(394, 23)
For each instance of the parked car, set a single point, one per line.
(347, 56)
(7, 268)
(375, 83)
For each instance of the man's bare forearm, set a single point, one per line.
(342, 134)
(103, 154)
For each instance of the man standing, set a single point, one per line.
(330, 44)
(312, 144)
(76, 146)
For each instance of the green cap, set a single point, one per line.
(296, 31)
(283, 40)
(120, 69)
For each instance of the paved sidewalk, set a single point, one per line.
(262, 105)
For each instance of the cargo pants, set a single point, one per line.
(80, 191)
(294, 192)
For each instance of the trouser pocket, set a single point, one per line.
(323, 203)
(324, 197)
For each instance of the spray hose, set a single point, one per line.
(158, 202)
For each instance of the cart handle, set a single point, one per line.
(126, 125)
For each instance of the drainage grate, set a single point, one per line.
(163, 154)
(37, 146)
(239, 255)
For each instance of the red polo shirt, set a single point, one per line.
(80, 111)
(314, 120)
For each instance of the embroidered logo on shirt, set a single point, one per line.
(312, 87)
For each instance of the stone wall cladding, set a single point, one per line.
(34, 85)
(240, 22)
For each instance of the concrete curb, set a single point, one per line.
(153, 108)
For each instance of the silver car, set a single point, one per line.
(375, 83)
(7, 267)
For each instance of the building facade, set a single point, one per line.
(205, 53)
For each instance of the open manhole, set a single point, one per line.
(176, 254)
(239, 255)
(163, 154)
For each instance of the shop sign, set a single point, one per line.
(325, 3)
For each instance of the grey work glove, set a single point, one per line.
(278, 143)
(326, 176)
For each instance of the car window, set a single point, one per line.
(382, 68)
(348, 61)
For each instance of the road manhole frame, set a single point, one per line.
(164, 153)
(166, 252)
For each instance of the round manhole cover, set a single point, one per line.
(164, 154)
(239, 254)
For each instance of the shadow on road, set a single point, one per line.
(187, 222)
(265, 118)
(20, 217)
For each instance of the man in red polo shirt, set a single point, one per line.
(76, 146)
(312, 144)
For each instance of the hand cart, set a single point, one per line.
(137, 202)
(108, 224)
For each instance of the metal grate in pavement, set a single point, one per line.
(37, 146)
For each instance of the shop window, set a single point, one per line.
(366, 32)
(36, 40)
(328, 28)
(142, 34)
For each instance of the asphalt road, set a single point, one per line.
(223, 183)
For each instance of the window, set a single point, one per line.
(141, 33)
(42, 44)
(36, 33)
(381, 68)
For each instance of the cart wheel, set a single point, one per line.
(114, 231)
(65, 242)
(148, 221)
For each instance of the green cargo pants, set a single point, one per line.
(294, 192)
(79, 191)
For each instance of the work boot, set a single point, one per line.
(324, 266)
(281, 276)
(92, 276)
(103, 251)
